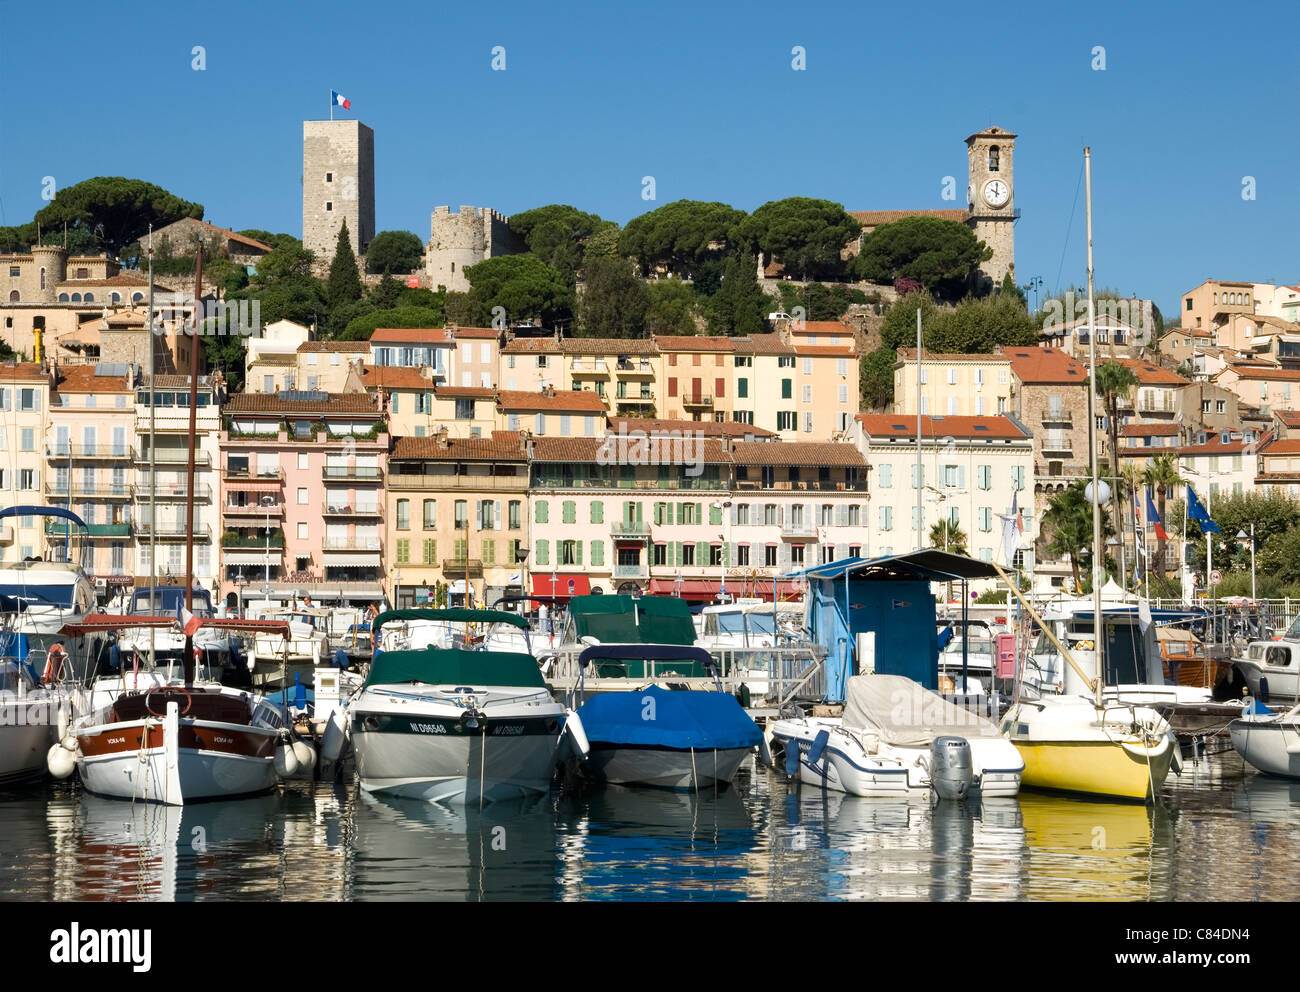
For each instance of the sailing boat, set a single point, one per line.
(1073, 743)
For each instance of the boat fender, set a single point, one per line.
(577, 733)
(286, 762)
(1293, 747)
(951, 769)
(742, 695)
(60, 761)
(765, 752)
(818, 746)
(63, 718)
(306, 755)
(792, 757)
(1177, 764)
(332, 741)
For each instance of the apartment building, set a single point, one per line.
(289, 461)
(1050, 392)
(626, 373)
(24, 412)
(1209, 306)
(329, 366)
(457, 511)
(1268, 387)
(972, 468)
(977, 385)
(568, 413)
(698, 373)
(413, 348)
(1155, 399)
(475, 355)
(531, 364)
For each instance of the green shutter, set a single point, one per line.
(668, 515)
(638, 511)
(715, 514)
(541, 512)
(701, 553)
(462, 550)
(699, 514)
(597, 553)
(570, 512)
(543, 552)
(403, 551)
(679, 556)
(489, 552)
(597, 512)
(430, 551)
(659, 513)
(577, 546)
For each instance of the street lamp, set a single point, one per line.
(267, 502)
(397, 590)
(521, 559)
(723, 505)
(1241, 536)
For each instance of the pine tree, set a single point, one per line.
(344, 284)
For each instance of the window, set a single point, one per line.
(807, 366)
(302, 531)
(715, 554)
(785, 420)
(886, 476)
(841, 366)
(742, 555)
(461, 514)
(430, 551)
(430, 513)
(541, 515)
(986, 518)
(404, 551)
(993, 158)
(807, 394)
(886, 518)
(487, 516)
(28, 439)
(796, 554)
(661, 554)
(568, 552)
(329, 205)
(688, 553)
(769, 555)
(827, 515)
(302, 497)
(785, 362)
(807, 421)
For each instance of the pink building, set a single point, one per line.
(302, 479)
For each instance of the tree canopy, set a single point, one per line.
(394, 251)
(613, 301)
(941, 255)
(678, 235)
(739, 306)
(974, 325)
(557, 234)
(362, 327)
(673, 307)
(805, 235)
(112, 210)
(524, 285)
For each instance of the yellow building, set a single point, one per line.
(953, 385)
(565, 413)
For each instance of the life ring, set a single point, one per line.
(188, 701)
(54, 660)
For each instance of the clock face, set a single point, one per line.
(996, 193)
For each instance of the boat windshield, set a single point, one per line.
(1293, 632)
(12, 676)
(734, 623)
(978, 645)
(166, 599)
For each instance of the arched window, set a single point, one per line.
(42, 277)
(1216, 298)
(993, 158)
(13, 296)
(137, 297)
(90, 297)
(76, 297)
(116, 298)
(63, 297)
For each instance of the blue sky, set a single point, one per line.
(596, 96)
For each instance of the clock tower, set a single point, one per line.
(991, 200)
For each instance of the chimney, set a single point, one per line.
(441, 438)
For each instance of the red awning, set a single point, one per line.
(99, 622)
(561, 585)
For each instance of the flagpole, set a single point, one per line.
(331, 104)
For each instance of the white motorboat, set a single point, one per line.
(1269, 742)
(455, 726)
(1272, 668)
(884, 743)
(29, 716)
(38, 597)
(216, 647)
(274, 661)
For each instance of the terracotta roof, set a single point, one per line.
(796, 453)
(821, 327)
(341, 403)
(693, 342)
(502, 446)
(1263, 372)
(762, 344)
(713, 428)
(410, 335)
(393, 377)
(227, 233)
(82, 379)
(576, 400)
(179, 382)
(532, 346)
(350, 347)
(473, 332)
(1216, 446)
(1278, 322)
(471, 392)
(874, 218)
(617, 450)
(273, 358)
(1149, 374)
(909, 355)
(904, 425)
(824, 351)
(121, 279)
(24, 371)
(1149, 430)
(1045, 366)
(608, 346)
(1289, 418)
(1290, 446)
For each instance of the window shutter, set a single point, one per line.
(598, 553)
(677, 552)
(543, 552)
(699, 513)
(541, 512)
(841, 551)
(916, 521)
(961, 476)
(570, 511)
(701, 553)
(735, 514)
(578, 550)
(914, 476)
(783, 556)
(842, 515)
(638, 511)
(597, 515)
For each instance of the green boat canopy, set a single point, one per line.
(661, 619)
(454, 666)
(454, 615)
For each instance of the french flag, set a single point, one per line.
(340, 100)
(187, 621)
(1154, 518)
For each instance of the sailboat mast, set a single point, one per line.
(153, 467)
(1098, 562)
(189, 468)
(920, 488)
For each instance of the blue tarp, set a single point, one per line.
(668, 718)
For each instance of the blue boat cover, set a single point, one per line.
(678, 719)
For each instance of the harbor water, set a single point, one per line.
(1219, 832)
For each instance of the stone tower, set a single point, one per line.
(49, 268)
(991, 198)
(338, 184)
(457, 241)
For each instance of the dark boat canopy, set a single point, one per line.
(454, 666)
(41, 511)
(454, 615)
(929, 563)
(647, 652)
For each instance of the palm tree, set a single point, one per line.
(1113, 381)
(947, 536)
(1132, 475)
(1068, 519)
(1162, 473)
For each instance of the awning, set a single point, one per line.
(686, 588)
(243, 557)
(333, 558)
(561, 585)
(253, 484)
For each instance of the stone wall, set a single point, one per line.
(338, 184)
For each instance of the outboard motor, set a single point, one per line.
(951, 770)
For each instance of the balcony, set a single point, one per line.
(805, 485)
(346, 512)
(631, 571)
(679, 483)
(454, 568)
(237, 478)
(352, 544)
(630, 528)
(355, 473)
(697, 402)
(486, 483)
(54, 489)
(253, 511)
(173, 490)
(588, 366)
(172, 530)
(1057, 416)
(1057, 450)
(233, 539)
(799, 530)
(171, 457)
(101, 452)
(59, 528)
(633, 366)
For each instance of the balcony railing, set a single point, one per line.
(56, 451)
(701, 483)
(356, 473)
(504, 483)
(454, 568)
(253, 510)
(634, 367)
(587, 366)
(237, 475)
(173, 530)
(630, 528)
(59, 528)
(231, 539)
(352, 544)
(697, 402)
(804, 485)
(631, 571)
(353, 511)
(172, 490)
(108, 490)
(170, 457)
(1057, 451)
(789, 529)
(1059, 416)
(641, 398)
